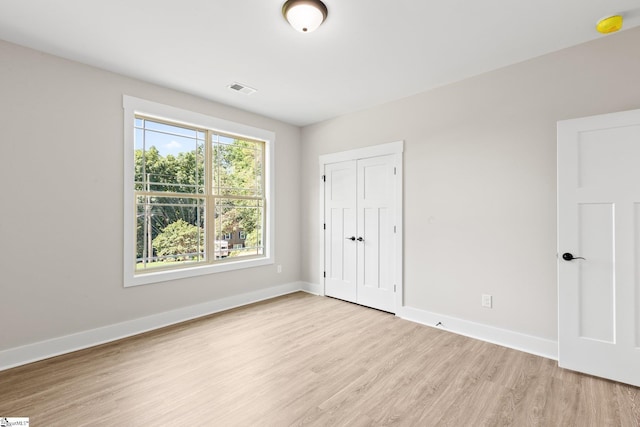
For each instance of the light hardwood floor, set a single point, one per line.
(307, 360)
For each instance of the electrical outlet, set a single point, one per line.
(279, 268)
(487, 301)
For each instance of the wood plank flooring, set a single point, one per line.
(308, 360)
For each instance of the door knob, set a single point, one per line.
(568, 256)
(352, 238)
(360, 239)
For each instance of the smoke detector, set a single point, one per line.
(610, 24)
(242, 88)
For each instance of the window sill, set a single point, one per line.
(200, 270)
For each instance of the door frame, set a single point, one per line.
(392, 148)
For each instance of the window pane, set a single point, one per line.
(169, 129)
(168, 162)
(170, 231)
(236, 218)
(237, 167)
(139, 140)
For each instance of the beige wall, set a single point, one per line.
(61, 217)
(480, 179)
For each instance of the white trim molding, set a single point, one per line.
(395, 147)
(54, 347)
(61, 345)
(503, 337)
(313, 288)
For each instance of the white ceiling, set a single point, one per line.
(367, 52)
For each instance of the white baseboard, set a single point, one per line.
(45, 349)
(506, 338)
(313, 288)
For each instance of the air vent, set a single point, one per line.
(239, 87)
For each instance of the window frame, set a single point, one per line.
(136, 106)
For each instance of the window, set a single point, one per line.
(191, 181)
(243, 235)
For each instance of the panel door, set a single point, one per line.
(599, 220)
(340, 230)
(376, 258)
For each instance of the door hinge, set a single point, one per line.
(394, 170)
(394, 288)
(324, 274)
(324, 226)
(324, 178)
(394, 229)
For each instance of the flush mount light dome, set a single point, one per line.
(610, 24)
(304, 15)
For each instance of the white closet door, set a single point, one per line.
(360, 254)
(599, 245)
(376, 257)
(340, 230)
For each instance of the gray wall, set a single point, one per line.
(61, 218)
(480, 179)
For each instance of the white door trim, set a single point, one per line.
(392, 148)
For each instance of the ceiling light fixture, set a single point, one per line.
(304, 15)
(610, 24)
